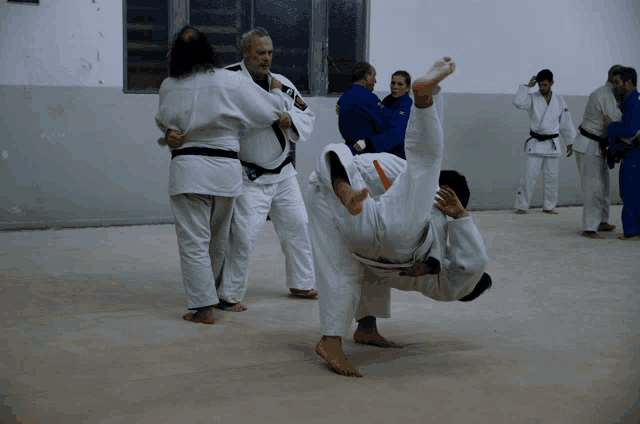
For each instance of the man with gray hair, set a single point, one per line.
(590, 147)
(270, 186)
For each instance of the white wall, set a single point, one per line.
(499, 44)
(62, 43)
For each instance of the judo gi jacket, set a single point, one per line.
(211, 109)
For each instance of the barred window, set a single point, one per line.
(146, 44)
(316, 42)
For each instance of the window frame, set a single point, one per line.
(318, 62)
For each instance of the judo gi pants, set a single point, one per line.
(594, 176)
(533, 165)
(629, 180)
(202, 226)
(284, 204)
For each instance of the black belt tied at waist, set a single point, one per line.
(540, 137)
(204, 151)
(254, 171)
(603, 142)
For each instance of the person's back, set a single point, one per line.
(601, 103)
(357, 105)
(212, 107)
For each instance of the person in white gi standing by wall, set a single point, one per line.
(210, 107)
(270, 184)
(589, 146)
(548, 113)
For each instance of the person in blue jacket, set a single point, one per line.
(398, 105)
(625, 81)
(390, 125)
(361, 114)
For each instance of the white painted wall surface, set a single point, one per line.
(499, 44)
(62, 43)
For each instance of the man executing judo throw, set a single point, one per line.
(360, 243)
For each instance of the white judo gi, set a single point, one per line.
(210, 109)
(544, 155)
(277, 195)
(592, 165)
(343, 245)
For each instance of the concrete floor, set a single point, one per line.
(93, 333)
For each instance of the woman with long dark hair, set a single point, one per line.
(210, 107)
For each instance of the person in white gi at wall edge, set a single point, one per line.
(548, 115)
(209, 107)
(270, 184)
(590, 147)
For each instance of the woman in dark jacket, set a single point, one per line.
(399, 105)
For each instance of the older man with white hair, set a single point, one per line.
(270, 186)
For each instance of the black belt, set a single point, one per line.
(254, 171)
(603, 142)
(204, 151)
(540, 137)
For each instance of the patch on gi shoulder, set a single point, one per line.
(401, 112)
(566, 109)
(300, 104)
(289, 91)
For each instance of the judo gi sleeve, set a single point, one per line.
(395, 132)
(253, 106)
(163, 118)
(303, 119)
(378, 116)
(466, 259)
(630, 124)
(567, 130)
(609, 107)
(522, 99)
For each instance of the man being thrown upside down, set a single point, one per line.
(361, 243)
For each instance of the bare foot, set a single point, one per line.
(550, 211)
(330, 349)
(635, 237)
(231, 307)
(374, 339)
(604, 226)
(591, 235)
(425, 85)
(201, 316)
(305, 294)
(520, 212)
(350, 197)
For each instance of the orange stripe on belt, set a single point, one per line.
(383, 177)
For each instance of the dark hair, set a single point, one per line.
(456, 182)
(612, 72)
(191, 52)
(544, 75)
(405, 74)
(482, 286)
(360, 71)
(627, 74)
